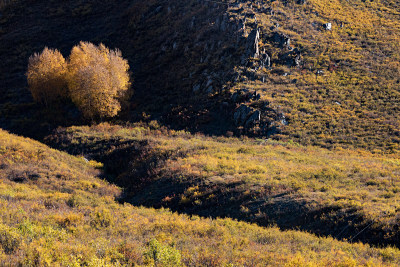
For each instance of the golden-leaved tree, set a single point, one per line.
(46, 76)
(98, 79)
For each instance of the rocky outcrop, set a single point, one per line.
(281, 39)
(265, 60)
(252, 48)
(246, 116)
(253, 119)
(241, 114)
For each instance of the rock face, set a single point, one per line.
(241, 114)
(281, 39)
(265, 60)
(252, 48)
(253, 119)
(246, 116)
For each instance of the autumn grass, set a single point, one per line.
(62, 214)
(354, 101)
(340, 187)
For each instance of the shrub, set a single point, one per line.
(162, 255)
(46, 76)
(9, 239)
(101, 218)
(97, 79)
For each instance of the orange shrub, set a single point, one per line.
(97, 79)
(46, 76)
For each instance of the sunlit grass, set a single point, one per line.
(73, 220)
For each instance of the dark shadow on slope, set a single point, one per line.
(28, 27)
(172, 46)
(287, 210)
(138, 168)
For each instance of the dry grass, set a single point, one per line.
(72, 219)
(258, 180)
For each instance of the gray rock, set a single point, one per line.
(265, 60)
(282, 39)
(252, 48)
(297, 60)
(241, 114)
(242, 26)
(241, 95)
(292, 58)
(328, 26)
(253, 119)
(282, 118)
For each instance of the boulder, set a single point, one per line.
(328, 26)
(241, 114)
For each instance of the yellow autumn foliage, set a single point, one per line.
(46, 76)
(97, 79)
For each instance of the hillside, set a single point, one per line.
(258, 133)
(64, 214)
(297, 79)
(341, 193)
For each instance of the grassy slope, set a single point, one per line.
(356, 101)
(59, 212)
(353, 104)
(359, 57)
(334, 193)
